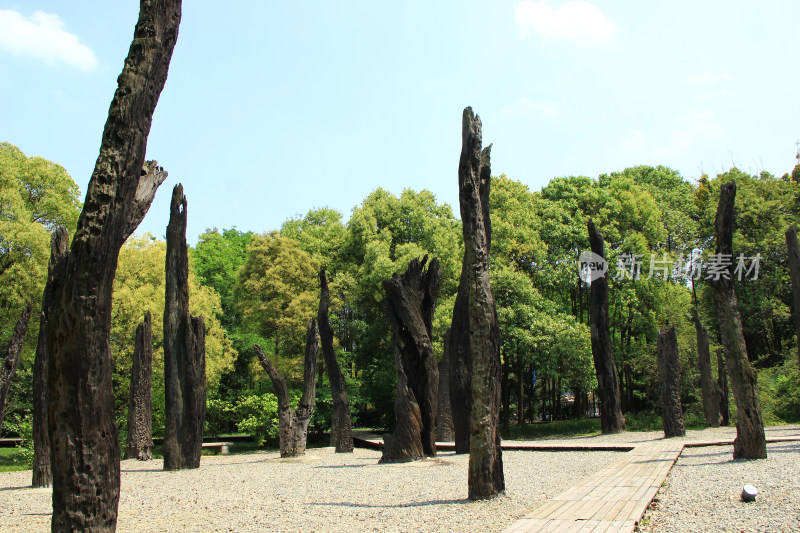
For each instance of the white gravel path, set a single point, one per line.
(702, 491)
(323, 491)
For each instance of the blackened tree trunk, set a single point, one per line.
(81, 423)
(11, 359)
(41, 474)
(140, 424)
(611, 419)
(669, 373)
(460, 351)
(722, 383)
(409, 305)
(709, 387)
(485, 474)
(793, 252)
(293, 423)
(184, 351)
(444, 415)
(750, 441)
(341, 426)
(460, 357)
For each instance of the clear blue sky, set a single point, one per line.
(274, 108)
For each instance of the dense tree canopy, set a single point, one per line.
(262, 288)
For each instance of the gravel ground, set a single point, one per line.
(703, 489)
(323, 491)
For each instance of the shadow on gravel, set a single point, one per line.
(393, 506)
(16, 488)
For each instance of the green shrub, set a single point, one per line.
(257, 415)
(779, 390)
(22, 425)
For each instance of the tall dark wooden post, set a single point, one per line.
(11, 359)
(41, 475)
(709, 388)
(611, 418)
(793, 253)
(750, 440)
(293, 423)
(485, 474)
(669, 373)
(140, 421)
(81, 422)
(184, 351)
(409, 305)
(341, 426)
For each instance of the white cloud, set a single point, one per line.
(707, 78)
(576, 21)
(691, 129)
(43, 36)
(525, 106)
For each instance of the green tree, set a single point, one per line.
(36, 195)
(277, 293)
(216, 260)
(321, 234)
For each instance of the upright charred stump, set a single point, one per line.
(709, 387)
(81, 422)
(611, 418)
(11, 359)
(409, 305)
(41, 475)
(793, 253)
(341, 425)
(293, 423)
(444, 413)
(750, 440)
(140, 424)
(459, 349)
(669, 374)
(184, 351)
(485, 475)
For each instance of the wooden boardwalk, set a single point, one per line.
(616, 497)
(613, 499)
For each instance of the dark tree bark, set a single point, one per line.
(460, 352)
(460, 357)
(669, 373)
(409, 305)
(750, 441)
(81, 423)
(793, 252)
(184, 351)
(709, 387)
(341, 426)
(485, 474)
(11, 359)
(722, 383)
(444, 414)
(41, 475)
(611, 419)
(140, 422)
(293, 423)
